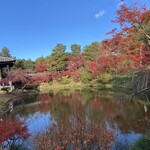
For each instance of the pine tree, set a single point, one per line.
(5, 52)
(58, 58)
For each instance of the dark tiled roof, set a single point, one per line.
(7, 59)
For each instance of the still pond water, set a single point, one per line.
(83, 119)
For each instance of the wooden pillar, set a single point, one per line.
(7, 69)
(1, 74)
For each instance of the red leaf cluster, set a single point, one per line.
(41, 66)
(130, 14)
(19, 76)
(13, 126)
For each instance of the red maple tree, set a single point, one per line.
(128, 49)
(41, 66)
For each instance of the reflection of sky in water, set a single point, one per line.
(131, 137)
(38, 122)
(124, 140)
(123, 137)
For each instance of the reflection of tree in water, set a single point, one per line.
(127, 115)
(71, 113)
(13, 132)
(75, 128)
(96, 108)
(76, 132)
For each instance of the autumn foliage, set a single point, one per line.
(128, 49)
(41, 66)
(12, 129)
(75, 135)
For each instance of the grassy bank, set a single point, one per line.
(106, 82)
(56, 86)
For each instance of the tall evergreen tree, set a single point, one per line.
(90, 51)
(58, 58)
(5, 52)
(76, 49)
(29, 65)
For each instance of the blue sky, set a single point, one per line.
(32, 28)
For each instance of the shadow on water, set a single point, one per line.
(83, 119)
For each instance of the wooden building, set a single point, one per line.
(5, 64)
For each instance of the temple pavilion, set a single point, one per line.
(5, 64)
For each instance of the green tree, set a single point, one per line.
(90, 51)
(19, 64)
(24, 64)
(5, 52)
(39, 59)
(144, 28)
(86, 76)
(29, 65)
(58, 58)
(48, 61)
(76, 49)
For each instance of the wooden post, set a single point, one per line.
(0, 74)
(7, 70)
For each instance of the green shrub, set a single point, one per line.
(105, 78)
(108, 86)
(142, 144)
(101, 86)
(86, 77)
(121, 80)
(65, 80)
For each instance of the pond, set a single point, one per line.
(81, 119)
